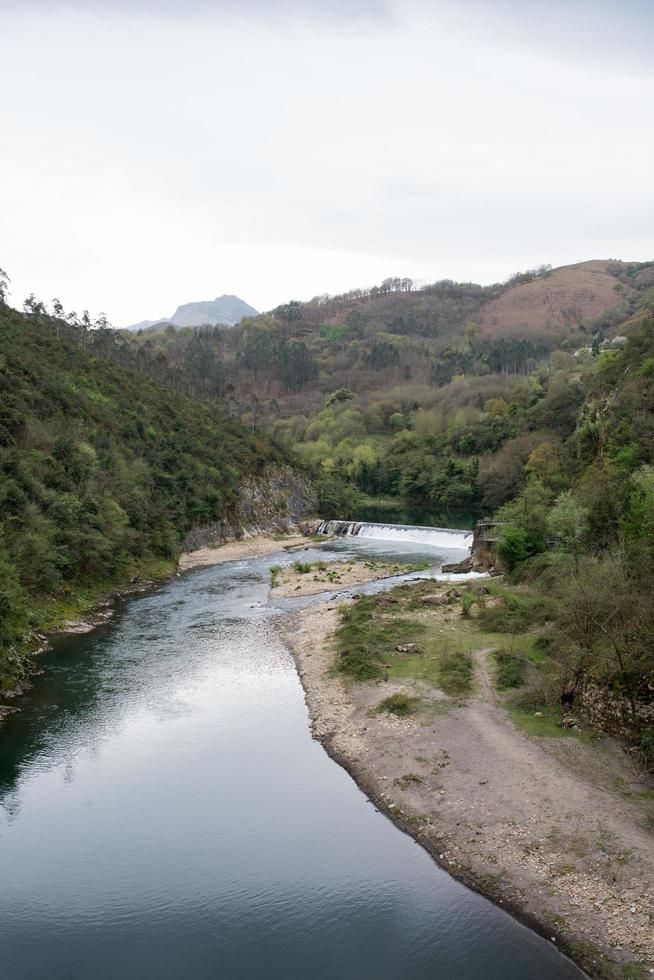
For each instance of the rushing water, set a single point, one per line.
(444, 539)
(164, 813)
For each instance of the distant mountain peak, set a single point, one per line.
(226, 310)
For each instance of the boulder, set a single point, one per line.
(467, 565)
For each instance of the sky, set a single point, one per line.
(155, 152)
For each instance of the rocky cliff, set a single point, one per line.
(274, 502)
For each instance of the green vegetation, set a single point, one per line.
(275, 572)
(585, 570)
(431, 405)
(409, 778)
(510, 669)
(101, 473)
(455, 673)
(373, 627)
(397, 704)
(546, 721)
(366, 638)
(514, 611)
(416, 405)
(467, 602)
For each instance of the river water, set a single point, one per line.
(164, 813)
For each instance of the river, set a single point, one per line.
(165, 813)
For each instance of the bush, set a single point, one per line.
(515, 546)
(303, 567)
(510, 669)
(396, 704)
(647, 748)
(467, 602)
(516, 613)
(455, 673)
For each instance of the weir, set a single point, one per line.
(436, 537)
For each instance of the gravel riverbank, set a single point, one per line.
(552, 830)
(247, 547)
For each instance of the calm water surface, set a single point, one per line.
(164, 813)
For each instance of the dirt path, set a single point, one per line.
(552, 829)
(483, 677)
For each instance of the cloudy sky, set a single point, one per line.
(155, 153)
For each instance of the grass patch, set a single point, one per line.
(591, 956)
(455, 672)
(398, 704)
(510, 670)
(545, 722)
(302, 567)
(373, 626)
(366, 640)
(275, 572)
(468, 600)
(408, 779)
(516, 612)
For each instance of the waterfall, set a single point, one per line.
(435, 537)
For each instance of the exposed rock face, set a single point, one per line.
(611, 712)
(273, 502)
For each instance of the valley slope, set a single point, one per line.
(103, 472)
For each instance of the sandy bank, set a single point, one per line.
(262, 544)
(336, 574)
(553, 830)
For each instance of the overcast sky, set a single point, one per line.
(155, 153)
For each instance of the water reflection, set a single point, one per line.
(165, 813)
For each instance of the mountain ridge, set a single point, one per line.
(226, 310)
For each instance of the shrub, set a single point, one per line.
(510, 669)
(516, 613)
(647, 748)
(455, 673)
(467, 602)
(514, 546)
(399, 704)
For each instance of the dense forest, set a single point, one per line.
(578, 533)
(101, 473)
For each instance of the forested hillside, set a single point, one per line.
(416, 404)
(577, 537)
(101, 473)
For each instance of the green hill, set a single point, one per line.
(412, 404)
(101, 473)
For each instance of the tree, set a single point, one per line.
(4, 286)
(296, 366)
(566, 522)
(605, 623)
(338, 396)
(33, 306)
(513, 547)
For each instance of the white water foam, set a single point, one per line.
(435, 537)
